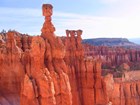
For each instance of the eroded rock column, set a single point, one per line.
(46, 76)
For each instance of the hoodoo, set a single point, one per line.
(48, 70)
(52, 70)
(49, 82)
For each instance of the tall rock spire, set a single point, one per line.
(48, 28)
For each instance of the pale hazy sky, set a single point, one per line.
(97, 18)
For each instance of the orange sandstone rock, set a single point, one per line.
(86, 82)
(47, 67)
(49, 70)
(114, 56)
(11, 71)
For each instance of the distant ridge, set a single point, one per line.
(122, 42)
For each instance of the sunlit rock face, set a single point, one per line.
(122, 92)
(125, 89)
(87, 85)
(33, 71)
(49, 70)
(11, 70)
(46, 79)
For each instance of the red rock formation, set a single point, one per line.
(33, 69)
(86, 82)
(42, 71)
(114, 56)
(122, 92)
(11, 70)
(45, 70)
